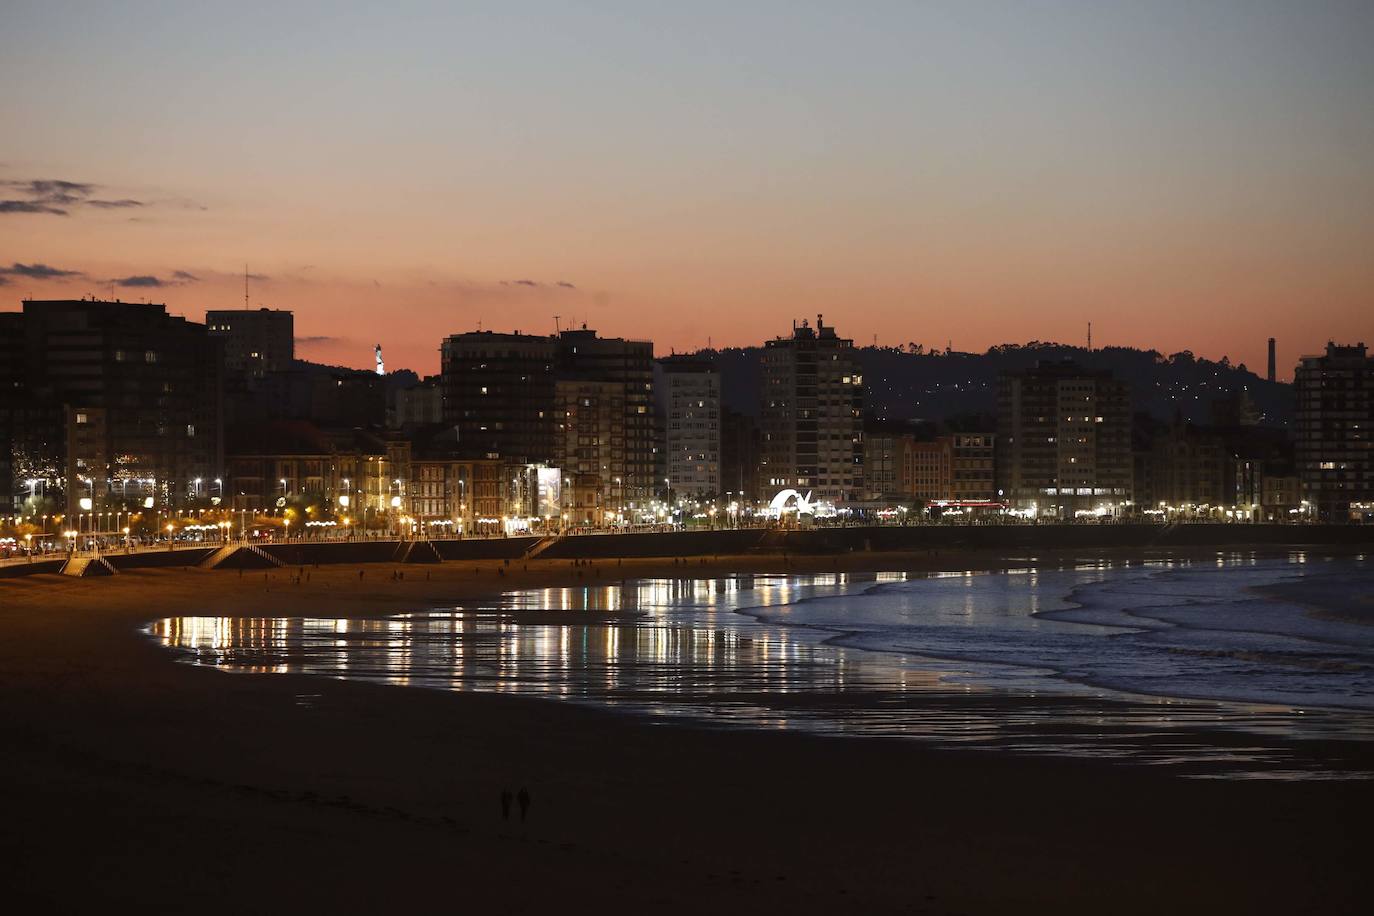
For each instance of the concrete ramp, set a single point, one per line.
(416, 552)
(541, 545)
(88, 566)
(241, 556)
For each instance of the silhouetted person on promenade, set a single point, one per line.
(506, 799)
(524, 799)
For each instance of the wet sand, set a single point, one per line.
(130, 779)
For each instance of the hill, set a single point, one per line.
(914, 384)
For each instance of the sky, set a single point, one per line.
(1184, 175)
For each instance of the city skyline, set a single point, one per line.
(1201, 180)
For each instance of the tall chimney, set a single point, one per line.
(1272, 364)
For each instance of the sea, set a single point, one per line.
(1234, 666)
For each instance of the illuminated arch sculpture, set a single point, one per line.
(801, 504)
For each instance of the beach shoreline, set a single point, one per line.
(321, 793)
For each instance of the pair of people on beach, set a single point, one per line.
(523, 798)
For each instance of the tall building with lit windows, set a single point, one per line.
(256, 341)
(690, 393)
(128, 400)
(501, 393)
(811, 417)
(1064, 440)
(1335, 432)
(629, 365)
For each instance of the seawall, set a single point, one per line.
(760, 541)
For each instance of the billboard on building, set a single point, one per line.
(550, 482)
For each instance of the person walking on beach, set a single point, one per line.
(506, 799)
(524, 799)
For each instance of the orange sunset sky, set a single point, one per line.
(1183, 175)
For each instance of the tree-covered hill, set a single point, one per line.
(912, 383)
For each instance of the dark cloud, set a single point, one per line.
(317, 339)
(258, 278)
(152, 281)
(57, 196)
(114, 204)
(29, 206)
(38, 271)
(69, 191)
(535, 284)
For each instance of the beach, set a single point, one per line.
(130, 778)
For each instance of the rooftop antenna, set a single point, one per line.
(245, 286)
(557, 328)
(1090, 336)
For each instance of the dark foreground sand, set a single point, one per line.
(130, 781)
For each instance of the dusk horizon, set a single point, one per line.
(980, 174)
(902, 456)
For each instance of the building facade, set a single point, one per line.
(1335, 417)
(498, 391)
(928, 471)
(124, 404)
(972, 474)
(255, 341)
(1063, 440)
(629, 364)
(501, 392)
(811, 416)
(690, 393)
(591, 453)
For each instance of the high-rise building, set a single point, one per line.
(812, 415)
(591, 455)
(1184, 471)
(499, 393)
(1064, 440)
(739, 457)
(971, 466)
(886, 454)
(256, 341)
(690, 393)
(131, 401)
(421, 404)
(582, 356)
(1335, 419)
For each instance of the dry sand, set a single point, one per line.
(129, 779)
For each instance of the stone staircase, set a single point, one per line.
(88, 566)
(416, 552)
(241, 556)
(541, 545)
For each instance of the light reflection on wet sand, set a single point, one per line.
(679, 649)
